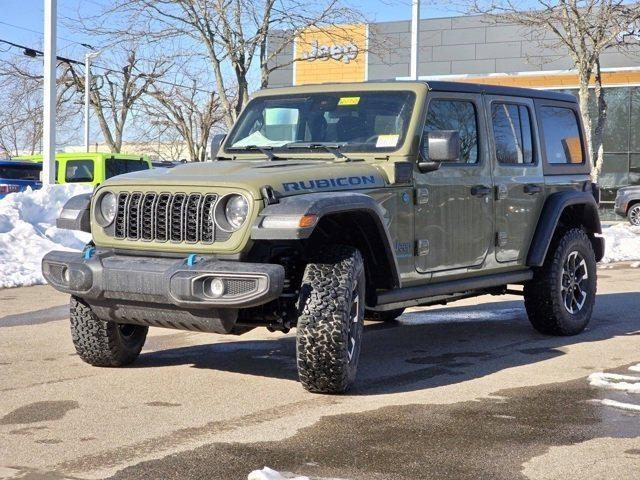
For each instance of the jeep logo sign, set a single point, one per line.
(344, 53)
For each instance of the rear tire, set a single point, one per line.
(104, 344)
(634, 214)
(559, 299)
(330, 324)
(386, 316)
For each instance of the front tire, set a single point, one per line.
(559, 299)
(634, 214)
(330, 324)
(104, 344)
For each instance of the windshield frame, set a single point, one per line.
(413, 99)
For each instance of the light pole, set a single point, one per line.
(415, 37)
(49, 94)
(87, 90)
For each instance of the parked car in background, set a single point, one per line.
(92, 168)
(628, 204)
(17, 176)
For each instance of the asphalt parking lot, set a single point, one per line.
(465, 391)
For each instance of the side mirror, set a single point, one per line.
(216, 142)
(439, 146)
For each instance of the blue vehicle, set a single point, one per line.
(17, 176)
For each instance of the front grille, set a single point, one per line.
(163, 217)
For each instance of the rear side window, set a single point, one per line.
(21, 172)
(457, 115)
(118, 166)
(561, 135)
(512, 133)
(79, 171)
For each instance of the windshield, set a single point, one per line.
(20, 172)
(352, 122)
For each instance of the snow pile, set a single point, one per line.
(28, 232)
(269, 474)
(622, 243)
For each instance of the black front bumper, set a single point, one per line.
(165, 292)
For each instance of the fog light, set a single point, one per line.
(65, 275)
(217, 287)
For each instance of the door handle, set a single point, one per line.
(480, 191)
(532, 189)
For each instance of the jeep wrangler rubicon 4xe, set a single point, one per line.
(330, 204)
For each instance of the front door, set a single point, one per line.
(454, 204)
(517, 175)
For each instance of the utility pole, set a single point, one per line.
(49, 100)
(87, 90)
(415, 38)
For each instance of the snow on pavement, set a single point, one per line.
(629, 384)
(622, 243)
(269, 474)
(28, 232)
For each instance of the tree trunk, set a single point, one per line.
(598, 131)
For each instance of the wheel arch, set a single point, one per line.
(347, 218)
(563, 210)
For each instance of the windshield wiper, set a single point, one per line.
(333, 148)
(265, 150)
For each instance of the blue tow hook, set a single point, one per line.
(88, 253)
(192, 259)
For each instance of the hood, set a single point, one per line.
(286, 177)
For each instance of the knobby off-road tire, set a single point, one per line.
(634, 214)
(104, 344)
(388, 316)
(330, 323)
(559, 299)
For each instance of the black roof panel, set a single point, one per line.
(464, 87)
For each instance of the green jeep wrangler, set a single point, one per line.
(330, 204)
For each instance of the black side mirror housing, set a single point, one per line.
(441, 146)
(216, 143)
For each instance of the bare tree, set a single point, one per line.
(21, 110)
(231, 34)
(585, 29)
(121, 90)
(192, 112)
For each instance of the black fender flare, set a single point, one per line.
(75, 214)
(321, 205)
(552, 210)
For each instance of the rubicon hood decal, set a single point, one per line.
(333, 183)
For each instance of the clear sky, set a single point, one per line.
(21, 21)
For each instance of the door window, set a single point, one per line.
(457, 115)
(512, 133)
(78, 171)
(561, 135)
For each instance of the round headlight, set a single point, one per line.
(236, 211)
(231, 212)
(107, 207)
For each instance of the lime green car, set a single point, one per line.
(92, 168)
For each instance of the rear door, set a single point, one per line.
(454, 204)
(517, 173)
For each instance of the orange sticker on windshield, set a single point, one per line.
(344, 101)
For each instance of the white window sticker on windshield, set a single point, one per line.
(386, 141)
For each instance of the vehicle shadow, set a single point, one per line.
(429, 348)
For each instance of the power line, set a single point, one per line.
(19, 27)
(33, 52)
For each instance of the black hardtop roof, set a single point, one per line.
(464, 87)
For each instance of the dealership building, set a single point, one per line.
(471, 49)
